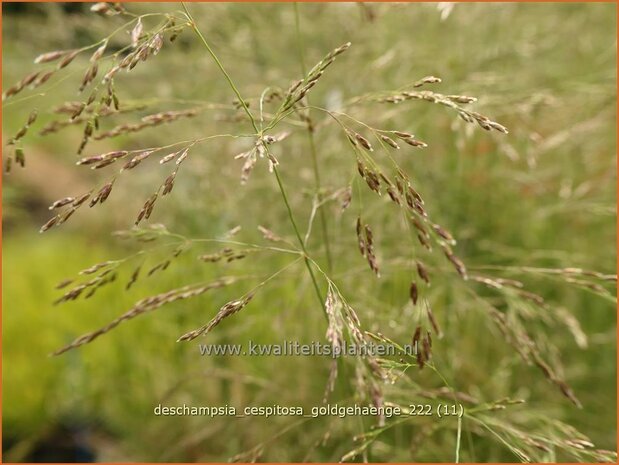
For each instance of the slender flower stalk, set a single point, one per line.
(276, 171)
(312, 144)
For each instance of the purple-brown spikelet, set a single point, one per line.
(416, 336)
(81, 199)
(28, 80)
(419, 226)
(414, 194)
(414, 292)
(20, 158)
(98, 53)
(145, 305)
(423, 272)
(169, 157)
(181, 158)
(415, 142)
(420, 357)
(268, 234)
(360, 168)
(66, 60)
(137, 159)
(393, 195)
(102, 195)
(43, 78)
(147, 209)
(51, 56)
(158, 267)
(427, 80)
(345, 198)
(442, 232)
(403, 135)
(360, 237)
(432, 320)
(78, 110)
(89, 76)
(134, 277)
(24, 129)
(66, 215)
(369, 250)
(371, 179)
(168, 184)
(389, 141)
(97, 267)
(363, 142)
(419, 208)
(456, 262)
(50, 223)
(426, 348)
(228, 309)
(423, 240)
(64, 283)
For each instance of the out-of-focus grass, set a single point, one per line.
(543, 196)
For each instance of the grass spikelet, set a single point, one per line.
(24, 129)
(134, 277)
(137, 159)
(66, 61)
(102, 195)
(51, 56)
(50, 223)
(168, 184)
(427, 80)
(147, 209)
(224, 312)
(268, 234)
(432, 320)
(423, 272)
(456, 262)
(414, 292)
(360, 237)
(389, 141)
(369, 250)
(145, 305)
(363, 142)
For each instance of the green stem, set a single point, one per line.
(313, 152)
(299, 238)
(321, 211)
(220, 66)
(279, 181)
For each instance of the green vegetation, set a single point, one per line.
(535, 205)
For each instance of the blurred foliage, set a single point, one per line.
(542, 196)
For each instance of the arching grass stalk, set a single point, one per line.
(277, 175)
(220, 66)
(312, 145)
(298, 234)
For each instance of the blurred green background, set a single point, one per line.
(543, 196)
